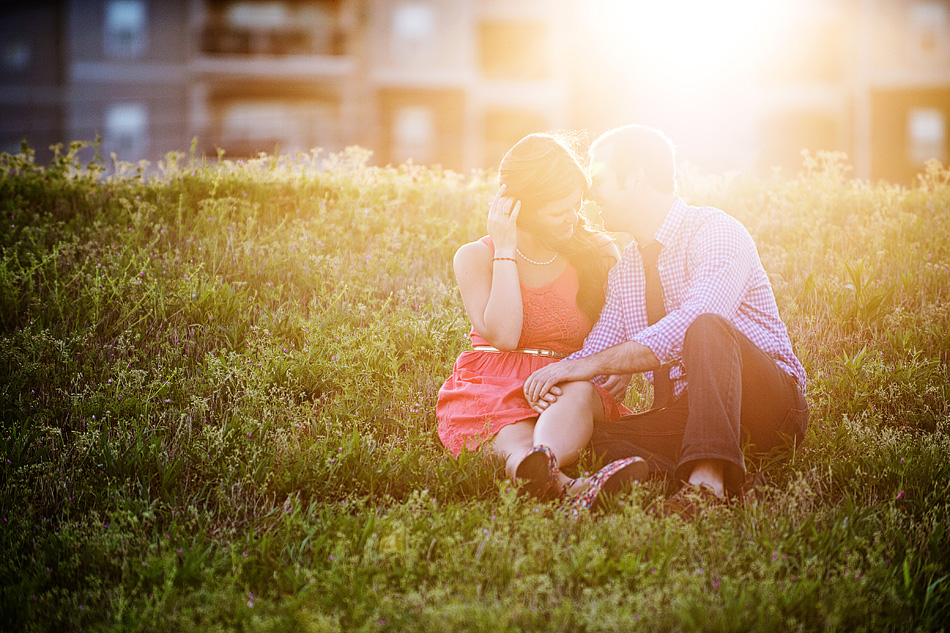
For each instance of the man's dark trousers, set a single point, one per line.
(736, 396)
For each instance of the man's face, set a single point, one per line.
(613, 199)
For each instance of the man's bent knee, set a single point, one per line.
(709, 326)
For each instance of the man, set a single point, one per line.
(701, 318)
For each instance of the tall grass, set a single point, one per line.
(218, 388)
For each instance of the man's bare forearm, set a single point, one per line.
(625, 358)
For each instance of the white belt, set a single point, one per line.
(521, 350)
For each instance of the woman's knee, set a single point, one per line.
(579, 390)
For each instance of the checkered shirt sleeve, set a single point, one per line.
(709, 264)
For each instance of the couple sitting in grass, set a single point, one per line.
(553, 352)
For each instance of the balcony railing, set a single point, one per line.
(228, 40)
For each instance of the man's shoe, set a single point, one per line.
(690, 500)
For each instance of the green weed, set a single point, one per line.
(217, 413)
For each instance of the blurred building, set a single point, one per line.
(867, 77)
(902, 94)
(441, 81)
(455, 81)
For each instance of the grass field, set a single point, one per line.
(217, 387)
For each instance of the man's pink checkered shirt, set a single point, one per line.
(709, 264)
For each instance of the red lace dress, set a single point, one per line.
(484, 392)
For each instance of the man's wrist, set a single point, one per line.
(625, 358)
(586, 368)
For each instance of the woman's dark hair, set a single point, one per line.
(540, 169)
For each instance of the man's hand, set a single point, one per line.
(618, 363)
(541, 385)
(616, 385)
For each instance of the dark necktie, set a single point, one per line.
(662, 387)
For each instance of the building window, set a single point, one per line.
(17, 55)
(261, 16)
(126, 28)
(127, 130)
(413, 32)
(274, 28)
(260, 28)
(414, 133)
(250, 127)
(929, 31)
(926, 135)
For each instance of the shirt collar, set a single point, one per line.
(671, 223)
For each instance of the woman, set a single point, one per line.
(533, 288)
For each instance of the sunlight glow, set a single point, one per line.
(683, 41)
(692, 68)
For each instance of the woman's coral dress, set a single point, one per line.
(484, 393)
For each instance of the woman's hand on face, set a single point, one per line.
(503, 223)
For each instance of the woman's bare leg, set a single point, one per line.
(566, 426)
(511, 444)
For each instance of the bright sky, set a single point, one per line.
(687, 41)
(705, 49)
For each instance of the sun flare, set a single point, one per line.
(683, 42)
